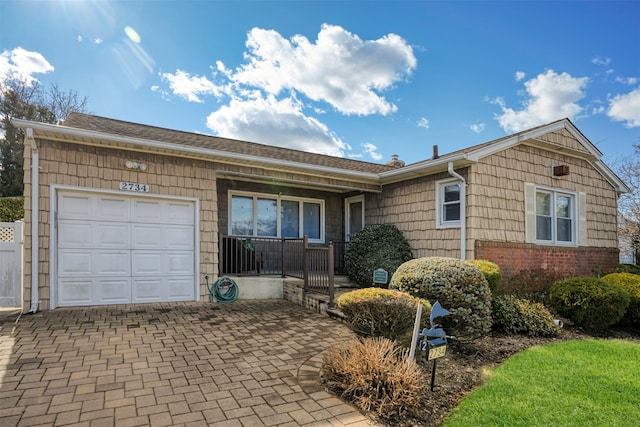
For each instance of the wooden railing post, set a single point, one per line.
(305, 263)
(330, 261)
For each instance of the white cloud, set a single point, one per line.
(549, 96)
(338, 68)
(190, 87)
(627, 80)
(520, 75)
(601, 61)
(372, 151)
(23, 64)
(275, 122)
(424, 123)
(477, 127)
(626, 108)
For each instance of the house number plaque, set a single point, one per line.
(132, 186)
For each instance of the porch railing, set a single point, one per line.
(294, 257)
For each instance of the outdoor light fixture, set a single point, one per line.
(135, 165)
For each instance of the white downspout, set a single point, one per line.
(463, 211)
(35, 218)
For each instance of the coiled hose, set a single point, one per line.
(224, 289)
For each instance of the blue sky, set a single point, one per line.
(359, 79)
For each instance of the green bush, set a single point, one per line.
(490, 270)
(380, 312)
(375, 246)
(630, 283)
(513, 315)
(458, 286)
(11, 209)
(588, 301)
(375, 375)
(627, 268)
(532, 284)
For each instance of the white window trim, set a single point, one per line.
(578, 216)
(440, 223)
(278, 198)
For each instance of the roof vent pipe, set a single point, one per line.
(435, 152)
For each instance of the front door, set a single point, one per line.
(354, 215)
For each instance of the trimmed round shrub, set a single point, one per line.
(375, 246)
(490, 270)
(630, 283)
(381, 312)
(375, 375)
(459, 287)
(588, 301)
(517, 316)
(627, 268)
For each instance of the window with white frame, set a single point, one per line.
(265, 215)
(555, 216)
(449, 199)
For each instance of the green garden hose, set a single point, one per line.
(224, 289)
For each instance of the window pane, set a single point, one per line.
(290, 218)
(267, 219)
(242, 216)
(564, 230)
(543, 204)
(452, 193)
(452, 212)
(543, 227)
(311, 221)
(563, 206)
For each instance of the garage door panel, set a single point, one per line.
(114, 290)
(74, 263)
(112, 263)
(74, 234)
(148, 289)
(111, 209)
(75, 291)
(146, 211)
(146, 263)
(112, 235)
(179, 213)
(147, 236)
(180, 288)
(74, 206)
(179, 237)
(179, 263)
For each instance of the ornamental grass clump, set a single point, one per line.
(375, 246)
(588, 301)
(460, 287)
(490, 270)
(375, 375)
(378, 312)
(517, 316)
(630, 283)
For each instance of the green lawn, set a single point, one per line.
(575, 383)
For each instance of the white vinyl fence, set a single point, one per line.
(11, 250)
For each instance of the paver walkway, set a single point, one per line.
(249, 363)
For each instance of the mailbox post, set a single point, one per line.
(434, 340)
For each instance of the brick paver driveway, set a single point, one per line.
(249, 363)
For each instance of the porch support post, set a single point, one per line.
(331, 278)
(305, 263)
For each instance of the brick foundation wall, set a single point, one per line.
(580, 261)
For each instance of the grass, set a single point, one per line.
(575, 383)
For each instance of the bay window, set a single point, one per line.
(264, 215)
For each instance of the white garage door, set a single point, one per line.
(114, 249)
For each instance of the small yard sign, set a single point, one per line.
(380, 276)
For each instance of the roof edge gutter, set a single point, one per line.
(193, 150)
(35, 196)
